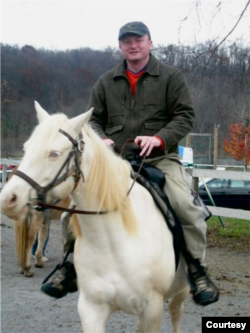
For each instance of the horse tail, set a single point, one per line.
(21, 237)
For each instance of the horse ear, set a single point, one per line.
(79, 121)
(41, 113)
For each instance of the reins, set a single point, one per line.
(141, 165)
(72, 211)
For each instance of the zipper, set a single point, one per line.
(144, 90)
(132, 104)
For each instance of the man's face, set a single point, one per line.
(134, 47)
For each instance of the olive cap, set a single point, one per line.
(137, 28)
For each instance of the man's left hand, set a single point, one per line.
(147, 143)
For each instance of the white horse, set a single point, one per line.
(124, 256)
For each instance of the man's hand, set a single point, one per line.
(109, 142)
(147, 143)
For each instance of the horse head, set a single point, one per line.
(49, 155)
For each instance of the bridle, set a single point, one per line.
(74, 171)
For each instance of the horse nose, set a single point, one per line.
(9, 201)
(13, 199)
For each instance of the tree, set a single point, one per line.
(239, 144)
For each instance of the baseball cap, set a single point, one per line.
(137, 28)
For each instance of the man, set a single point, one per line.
(148, 101)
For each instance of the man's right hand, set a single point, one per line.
(147, 144)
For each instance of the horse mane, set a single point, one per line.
(110, 176)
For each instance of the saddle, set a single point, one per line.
(153, 180)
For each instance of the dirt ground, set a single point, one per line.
(24, 309)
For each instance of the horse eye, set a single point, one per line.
(54, 154)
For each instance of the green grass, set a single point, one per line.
(235, 235)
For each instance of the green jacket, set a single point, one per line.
(162, 106)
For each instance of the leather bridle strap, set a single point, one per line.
(29, 180)
(41, 191)
(69, 137)
(75, 171)
(72, 211)
(56, 181)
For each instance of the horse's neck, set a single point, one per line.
(97, 227)
(83, 200)
(99, 230)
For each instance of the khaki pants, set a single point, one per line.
(192, 218)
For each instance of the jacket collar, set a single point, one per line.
(153, 68)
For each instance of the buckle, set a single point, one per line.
(80, 145)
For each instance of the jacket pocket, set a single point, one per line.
(155, 125)
(115, 120)
(113, 129)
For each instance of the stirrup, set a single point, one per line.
(66, 285)
(63, 283)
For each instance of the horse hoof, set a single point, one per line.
(29, 273)
(39, 264)
(21, 271)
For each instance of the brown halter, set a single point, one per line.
(75, 171)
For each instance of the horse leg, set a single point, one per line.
(42, 235)
(150, 319)
(93, 316)
(27, 270)
(176, 306)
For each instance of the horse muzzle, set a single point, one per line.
(12, 209)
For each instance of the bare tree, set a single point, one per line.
(197, 14)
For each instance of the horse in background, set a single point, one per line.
(125, 261)
(26, 231)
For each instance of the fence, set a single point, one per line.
(237, 175)
(196, 174)
(5, 162)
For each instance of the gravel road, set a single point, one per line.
(24, 309)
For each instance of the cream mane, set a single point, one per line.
(110, 175)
